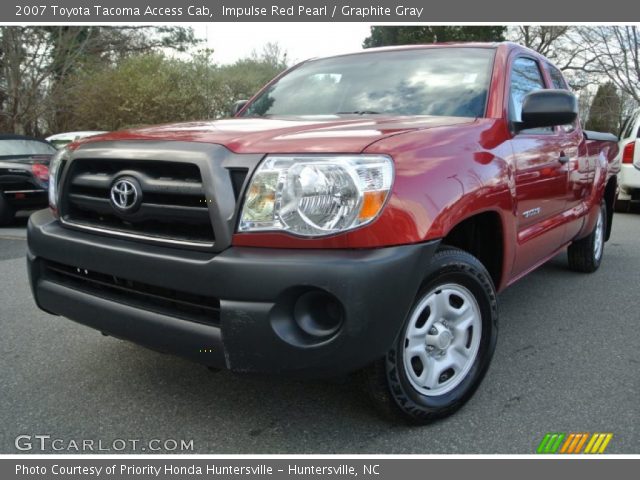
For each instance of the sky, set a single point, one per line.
(232, 41)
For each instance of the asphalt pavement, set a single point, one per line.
(568, 360)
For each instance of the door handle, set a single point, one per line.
(563, 158)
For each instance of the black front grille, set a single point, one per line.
(174, 206)
(174, 303)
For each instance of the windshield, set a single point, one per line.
(436, 81)
(24, 148)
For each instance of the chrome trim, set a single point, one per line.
(25, 191)
(118, 233)
(125, 195)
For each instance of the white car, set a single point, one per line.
(629, 156)
(61, 140)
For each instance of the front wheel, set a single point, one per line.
(585, 255)
(445, 346)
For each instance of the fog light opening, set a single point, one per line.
(318, 313)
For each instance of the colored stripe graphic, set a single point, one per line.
(569, 443)
(604, 445)
(543, 443)
(598, 443)
(581, 443)
(550, 443)
(574, 443)
(554, 448)
(594, 437)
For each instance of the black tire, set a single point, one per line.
(623, 206)
(582, 254)
(6, 211)
(387, 381)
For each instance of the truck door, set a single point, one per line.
(580, 167)
(541, 175)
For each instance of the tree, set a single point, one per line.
(585, 99)
(154, 88)
(246, 76)
(272, 55)
(79, 47)
(627, 106)
(615, 54)
(605, 111)
(22, 62)
(141, 90)
(544, 39)
(35, 61)
(401, 35)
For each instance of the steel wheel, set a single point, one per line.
(598, 243)
(445, 345)
(442, 339)
(585, 254)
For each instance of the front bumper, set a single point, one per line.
(258, 291)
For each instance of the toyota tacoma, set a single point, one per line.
(359, 214)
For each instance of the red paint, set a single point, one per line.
(260, 135)
(447, 170)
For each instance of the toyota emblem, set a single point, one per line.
(125, 194)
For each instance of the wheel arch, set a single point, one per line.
(481, 235)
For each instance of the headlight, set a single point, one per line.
(55, 167)
(314, 195)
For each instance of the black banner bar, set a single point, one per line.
(339, 469)
(379, 11)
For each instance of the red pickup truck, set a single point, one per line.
(360, 213)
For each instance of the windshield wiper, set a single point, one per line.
(359, 112)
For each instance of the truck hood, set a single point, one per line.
(326, 134)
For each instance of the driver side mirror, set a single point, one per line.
(548, 108)
(237, 106)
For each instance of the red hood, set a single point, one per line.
(291, 135)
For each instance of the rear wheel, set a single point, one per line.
(585, 255)
(445, 346)
(6, 211)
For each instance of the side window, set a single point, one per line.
(557, 81)
(556, 78)
(525, 78)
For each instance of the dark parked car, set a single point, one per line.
(24, 174)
